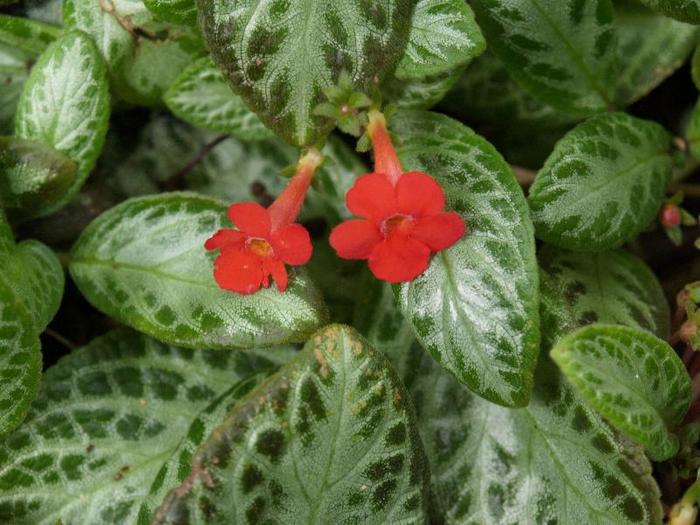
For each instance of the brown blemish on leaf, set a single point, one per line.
(122, 472)
(90, 448)
(322, 363)
(198, 472)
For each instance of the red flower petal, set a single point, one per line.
(419, 194)
(278, 271)
(292, 244)
(250, 218)
(399, 259)
(372, 197)
(439, 231)
(223, 239)
(355, 239)
(239, 271)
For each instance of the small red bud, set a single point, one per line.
(670, 216)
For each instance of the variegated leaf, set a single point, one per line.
(603, 183)
(65, 105)
(633, 378)
(683, 10)
(475, 309)
(143, 262)
(611, 287)
(554, 461)
(330, 438)
(114, 427)
(201, 96)
(560, 51)
(279, 56)
(443, 37)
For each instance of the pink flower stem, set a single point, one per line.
(286, 207)
(385, 159)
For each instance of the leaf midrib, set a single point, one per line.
(116, 265)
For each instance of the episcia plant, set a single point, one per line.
(358, 261)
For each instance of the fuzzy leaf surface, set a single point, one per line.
(633, 378)
(443, 37)
(280, 56)
(330, 438)
(20, 352)
(603, 183)
(475, 309)
(651, 47)
(611, 287)
(182, 12)
(117, 422)
(683, 10)
(201, 96)
(562, 52)
(65, 105)
(554, 461)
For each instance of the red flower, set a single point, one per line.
(265, 239)
(403, 218)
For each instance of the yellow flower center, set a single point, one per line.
(396, 222)
(260, 247)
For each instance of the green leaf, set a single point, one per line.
(615, 287)
(683, 10)
(21, 41)
(20, 360)
(522, 128)
(330, 439)
(475, 309)
(693, 131)
(117, 422)
(603, 183)
(258, 46)
(103, 24)
(555, 461)
(32, 176)
(47, 11)
(651, 47)
(144, 55)
(201, 96)
(443, 37)
(34, 275)
(633, 378)
(65, 105)
(144, 75)
(20, 352)
(40, 273)
(13, 74)
(420, 93)
(695, 67)
(561, 52)
(182, 12)
(485, 93)
(29, 36)
(378, 317)
(143, 262)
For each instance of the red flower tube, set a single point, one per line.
(402, 222)
(265, 239)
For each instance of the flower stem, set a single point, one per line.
(287, 206)
(385, 159)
